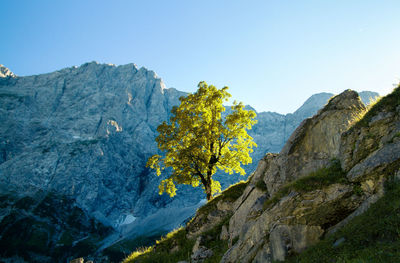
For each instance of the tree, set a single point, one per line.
(198, 141)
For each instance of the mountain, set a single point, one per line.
(82, 135)
(5, 72)
(332, 194)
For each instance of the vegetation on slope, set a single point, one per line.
(315, 180)
(176, 246)
(387, 103)
(371, 237)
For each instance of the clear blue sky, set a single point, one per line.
(272, 54)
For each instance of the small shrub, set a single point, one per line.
(261, 185)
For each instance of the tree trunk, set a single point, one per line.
(208, 190)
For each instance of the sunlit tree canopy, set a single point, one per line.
(198, 141)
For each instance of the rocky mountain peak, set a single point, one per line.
(313, 104)
(315, 142)
(5, 72)
(347, 100)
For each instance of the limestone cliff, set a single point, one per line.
(330, 171)
(85, 133)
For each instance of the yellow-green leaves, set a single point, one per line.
(198, 140)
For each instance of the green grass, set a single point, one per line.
(371, 237)
(230, 194)
(316, 180)
(219, 247)
(120, 250)
(387, 103)
(161, 252)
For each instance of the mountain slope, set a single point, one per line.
(331, 170)
(85, 133)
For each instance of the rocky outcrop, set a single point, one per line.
(315, 142)
(320, 188)
(292, 219)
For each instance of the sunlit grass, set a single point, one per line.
(230, 194)
(358, 116)
(161, 251)
(381, 104)
(175, 246)
(137, 253)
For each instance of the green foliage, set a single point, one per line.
(198, 141)
(316, 180)
(371, 237)
(387, 103)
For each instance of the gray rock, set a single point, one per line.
(315, 142)
(288, 239)
(201, 254)
(377, 160)
(224, 233)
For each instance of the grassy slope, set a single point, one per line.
(372, 237)
(176, 247)
(387, 103)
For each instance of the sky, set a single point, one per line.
(272, 55)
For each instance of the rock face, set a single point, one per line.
(86, 133)
(298, 219)
(315, 142)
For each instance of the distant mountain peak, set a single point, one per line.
(5, 72)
